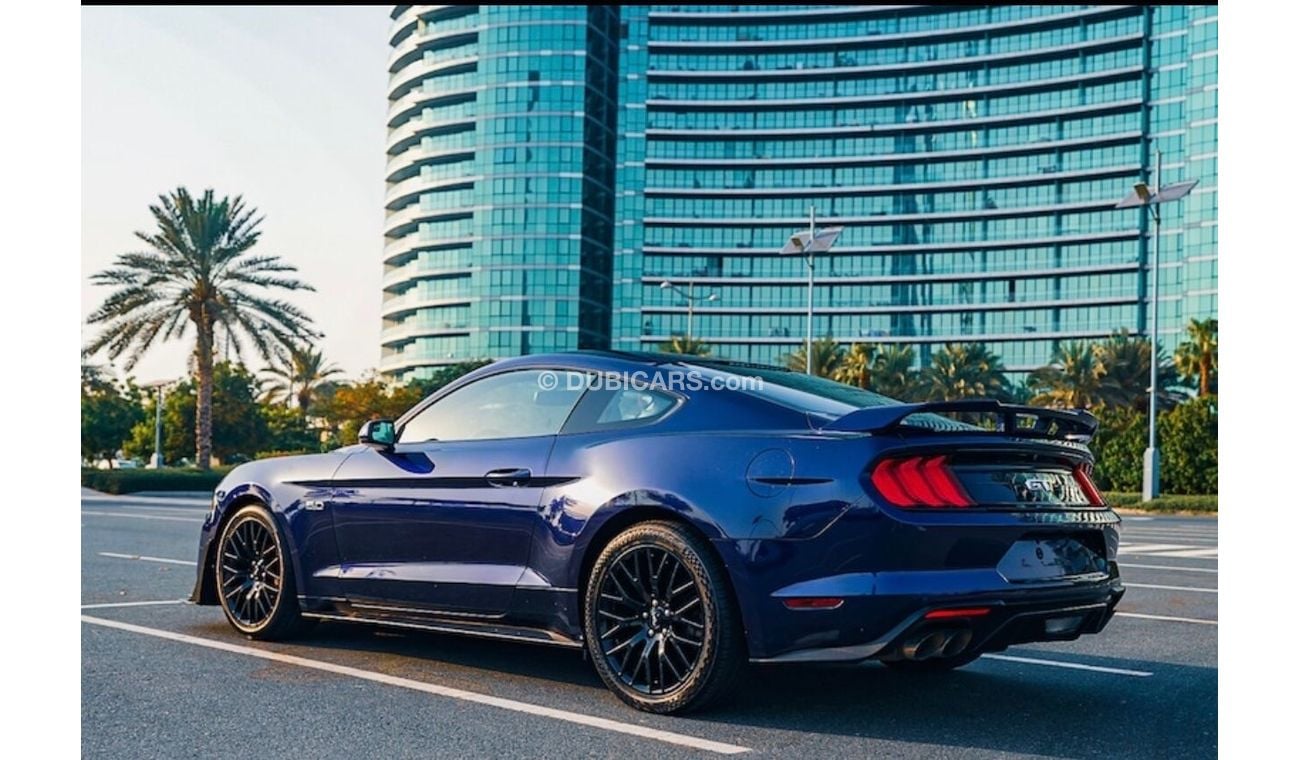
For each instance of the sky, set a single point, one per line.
(285, 106)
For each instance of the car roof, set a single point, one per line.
(604, 358)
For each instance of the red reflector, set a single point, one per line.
(814, 602)
(1089, 488)
(962, 613)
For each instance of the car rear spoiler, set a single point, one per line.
(1012, 419)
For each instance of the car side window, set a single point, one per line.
(605, 408)
(628, 405)
(516, 404)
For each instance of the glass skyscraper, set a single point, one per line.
(550, 167)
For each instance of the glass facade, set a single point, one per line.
(500, 179)
(972, 154)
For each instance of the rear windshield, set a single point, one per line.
(815, 395)
(825, 398)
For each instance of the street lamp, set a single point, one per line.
(691, 298)
(1151, 198)
(156, 461)
(809, 243)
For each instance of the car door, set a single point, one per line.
(444, 521)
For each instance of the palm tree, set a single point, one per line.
(1126, 373)
(198, 271)
(1071, 381)
(685, 345)
(967, 370)
(892, 373)
(298, 376)
(826, 355)
(855, 367)
(1198, 359)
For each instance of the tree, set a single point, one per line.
(892, 373)
(967, 370)
(298, 376)
(239, 428)
(198, 271)
(686, 345)
(1071, 381)
(827, 355)
(287, 431)
(445, 376)
(1197, 359)
(1126, 373)
(856, 366)
(108, 412)
(369, 399)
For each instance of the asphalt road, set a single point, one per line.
(162, 678)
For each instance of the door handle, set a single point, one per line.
(509, 476)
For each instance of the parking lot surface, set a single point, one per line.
(164, 678)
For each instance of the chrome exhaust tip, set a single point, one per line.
(924, 646)
(957, 643)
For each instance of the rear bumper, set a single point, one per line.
(881, 609)
(1011, 619)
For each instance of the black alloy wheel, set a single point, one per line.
(660, 622)
(650, 619)
(254, 581)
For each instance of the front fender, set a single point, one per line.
(282, 484)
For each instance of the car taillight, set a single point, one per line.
(1082, 474)
(919, 482)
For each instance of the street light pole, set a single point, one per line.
(1151, 457)
(812, 235)
(1151, 198)
(808, 244)
(157, 429)
(689, 295)
(690, 309)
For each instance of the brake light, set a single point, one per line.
(1083, 476)
(919, 482)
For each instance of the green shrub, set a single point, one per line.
(1208, 503)
(288, 453)
(166, 479)
(1121, 438)
(1189, 448)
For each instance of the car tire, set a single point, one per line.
(660, 621)
(254, 577)
(934, 664)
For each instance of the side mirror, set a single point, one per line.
(378, 434)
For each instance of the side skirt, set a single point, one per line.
(420, 620)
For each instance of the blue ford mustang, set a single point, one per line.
(679, 517)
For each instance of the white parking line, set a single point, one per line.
(632, 729)
(1140, 548)
(1166, 588)
(1070, 665)
(147, 558)
(1166, 618)
(131, 604)
(140, 517)
(1127, 565)
(1194, 554)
